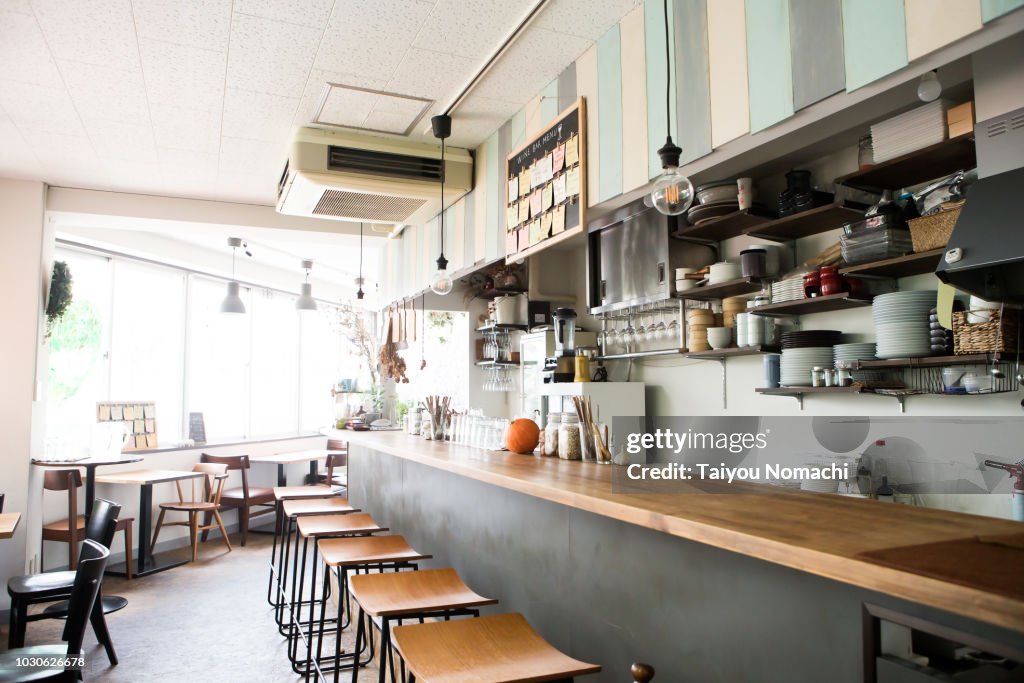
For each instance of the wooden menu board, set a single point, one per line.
(140, 416)
(546, 186)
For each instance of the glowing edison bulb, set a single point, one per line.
(441, 283)
(672, 193)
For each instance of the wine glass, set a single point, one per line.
(627, 334)
(660, 331)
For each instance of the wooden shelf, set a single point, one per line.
(722, 290)
(918, 166)
(899, 266)
(495, 292)
(806, 223)
(933, 361)
(491, 363)
(495, 327)
(722, 354)
(724, 227)
(818, 304)
(799, 391)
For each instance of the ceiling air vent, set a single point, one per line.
(369, 207)
(383, 163)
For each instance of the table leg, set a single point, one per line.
(145, 524)
(90, 489)
(313, 472)
(282, 478)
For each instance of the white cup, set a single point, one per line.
(745, 192)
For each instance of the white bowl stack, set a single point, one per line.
(796, 364)
(901, 323)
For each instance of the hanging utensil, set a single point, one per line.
(402, 343)
(413, 332)
(423, 331)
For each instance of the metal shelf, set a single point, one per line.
(917, 166)
(722, 354)
(491, 363)
(807, 223)
(899, 266)
(818, 304)
(495, 327)
(723, 290)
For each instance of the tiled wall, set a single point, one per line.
(737, 67)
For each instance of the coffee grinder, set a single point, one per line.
(564, 361)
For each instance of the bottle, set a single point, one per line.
(582, 366)
(551, 434)
(569, 447)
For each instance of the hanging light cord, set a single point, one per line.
(668, 78)
(234, 250)
(442, 197)
(360, 255)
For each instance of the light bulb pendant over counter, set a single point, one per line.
(233, 303)
(306, 302)
(441, 282)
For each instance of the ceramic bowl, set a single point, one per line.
(717, 191)
(723, 272)
(720, 337)
(684, 285)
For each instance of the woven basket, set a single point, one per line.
(932, 232)
(997, 335)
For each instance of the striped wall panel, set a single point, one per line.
(769, 63)
(494, 227)
(727, 65)
(586, 86)
(875, 36)
(480, 204)
(932, 24)
(609, 108)
(816, 37)
(693, 94)
(635, 157)
(993, 9)
(469, 232)
(549, 103)
(567, 87)
(531, 112)
(657, 75)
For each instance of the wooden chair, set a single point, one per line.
(213, 488)
(337, 470)
(81, 604)
(72, 533)
(2, 501)
(242, 498)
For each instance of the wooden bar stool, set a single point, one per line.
(502, 648)
(358, 554)
(315, 527)
(392, 597)
(289, 510)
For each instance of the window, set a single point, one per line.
(275, 363)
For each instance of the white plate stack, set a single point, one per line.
(790, 289)
(910, 131)
(901, 323)
(796, 364)
(855, 351)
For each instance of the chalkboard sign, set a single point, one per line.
(546, 185)
(196, 428)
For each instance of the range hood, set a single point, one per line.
(985, 254)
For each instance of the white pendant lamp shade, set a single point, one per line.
(306, 302)
(232, 302)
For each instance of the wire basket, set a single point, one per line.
(997, 334)
(933, 231)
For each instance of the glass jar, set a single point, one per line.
(569, 446)
(865, 153)
(551, 434)
(818, 377)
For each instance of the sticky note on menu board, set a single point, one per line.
(535, 231)
(535, 203)
(512, 217)
(558, 219)
(545, 225)
(128, 412)
(524, 211)
(558, 187)
(513, 189)
(140, 441)
(116, 413)
(541, 171)
(572, 182)
(139, 426)
(546, 197)
(572, 151)
(524, 182)
(558, 158)
(150, 426)
(150, 412)
(511, 241)
(151, 441)
(104, 414)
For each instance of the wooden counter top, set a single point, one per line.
(826, 535)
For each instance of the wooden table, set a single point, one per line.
(90, 465)
(283, 459)
(8, 523)
(146, 563)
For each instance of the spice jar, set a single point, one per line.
(551, 434)
(818, 377)
(569, 438)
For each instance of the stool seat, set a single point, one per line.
(315, 526)
(297, 492)
(65, 524)
(351, 552)
(257, 495)
(502, 648)
(316, 506)
(40, 585)
(429, 590)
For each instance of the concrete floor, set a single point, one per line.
(207, 621)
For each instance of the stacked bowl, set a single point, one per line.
(845, 354)
(901, 323)
(804, 350)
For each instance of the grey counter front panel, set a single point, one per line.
(613, 593)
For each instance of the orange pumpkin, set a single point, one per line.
(523, 436)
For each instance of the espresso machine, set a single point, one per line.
(561, 367)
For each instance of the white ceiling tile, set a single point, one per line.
(23, 51)
(470, 30)
(589, 19)
(434, 75)
(101, 92)
(258, 116)
(40, 107)
(387, 121)
(16, 157)
(194, 166)
(137, 176)
(347, 107)
(252, 157)
(370, 38)
(303, 12)
(116, 140)
(19, 6)
(97, 31)
(247, 188)
(476, 107)
(270, 56)
(60, 152)
(317, 84)
(203, 24)
(188, 129)
(529, 64)
(183, 76)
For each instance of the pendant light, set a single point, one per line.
(441, 282)
(673, 191)
(306, 302)
(930, 87)
(233, 302)
(359, 280)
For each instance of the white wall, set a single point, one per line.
(22, 277)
